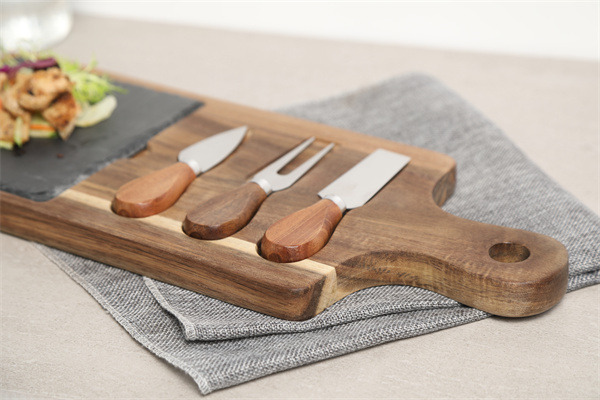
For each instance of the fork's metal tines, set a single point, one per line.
(269, 178)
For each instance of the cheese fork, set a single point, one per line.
(225, 214)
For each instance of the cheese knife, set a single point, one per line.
(227, 213)
(159, 190)
(303, 233)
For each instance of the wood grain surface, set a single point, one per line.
(401, 236)
(302, 233)
(224, 214)
(153, 193)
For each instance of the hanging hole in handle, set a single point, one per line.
(509, 252)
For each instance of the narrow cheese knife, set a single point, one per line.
(159, 190)
(303, 233)
(229, 212)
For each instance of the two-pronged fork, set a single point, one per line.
(229, 212)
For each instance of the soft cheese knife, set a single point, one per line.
(303, 233)
(229, 212)
(155, 192)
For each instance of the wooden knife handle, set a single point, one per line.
(301, 234)
(153, 193)
(224, 214)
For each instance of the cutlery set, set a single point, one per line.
(292, 238)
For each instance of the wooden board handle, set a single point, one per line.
(153, 193)
(504, 271)
(225, 214)
(500, 270)
(301, 234)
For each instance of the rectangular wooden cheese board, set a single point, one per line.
(401, 236)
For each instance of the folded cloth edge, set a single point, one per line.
(132, 330)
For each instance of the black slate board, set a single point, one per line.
(44, 168)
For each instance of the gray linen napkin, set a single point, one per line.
(187, 329)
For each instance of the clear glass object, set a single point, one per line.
(33, 24)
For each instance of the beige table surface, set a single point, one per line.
(57, 342)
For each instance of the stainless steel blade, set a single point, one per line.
(207, 153)
(365, 179)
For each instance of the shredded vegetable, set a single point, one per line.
(11, 70)
(97, 112)
(88, 87)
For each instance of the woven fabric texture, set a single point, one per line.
(221, 345)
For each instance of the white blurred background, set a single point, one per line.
(561, 29)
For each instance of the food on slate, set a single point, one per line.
(46, 97)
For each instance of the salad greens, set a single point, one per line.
(89, 89)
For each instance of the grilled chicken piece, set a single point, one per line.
(43, 87)
(7, 126)
(35, 103)
(10, 98)
(48, 82)
(3, 79)
(62, 114)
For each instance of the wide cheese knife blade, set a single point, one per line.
(303, 233)
(159, 190)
